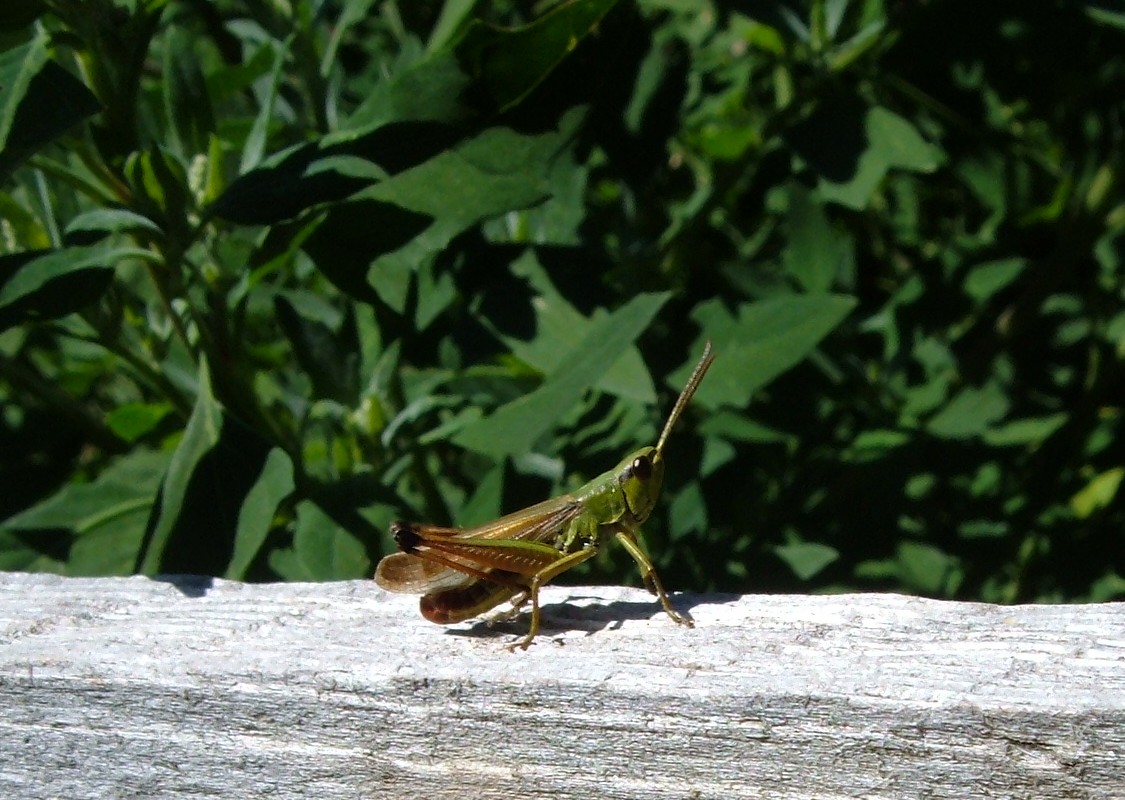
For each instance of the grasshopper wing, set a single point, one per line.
(413, 572)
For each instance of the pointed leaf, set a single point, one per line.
(39, 101)
(255, 519)
(322, 550)
(103, 520)
(214, 467)
(765, 339)
(514, 428)
(51, 284)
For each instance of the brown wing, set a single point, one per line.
(405, 572)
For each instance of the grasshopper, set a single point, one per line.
(464, 572)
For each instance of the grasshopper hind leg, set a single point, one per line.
(540, 579)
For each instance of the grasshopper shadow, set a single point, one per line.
(578, 614)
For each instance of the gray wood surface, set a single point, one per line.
(121, 688)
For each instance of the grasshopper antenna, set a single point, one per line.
(686, 395)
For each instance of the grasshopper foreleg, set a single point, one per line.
(651, 579)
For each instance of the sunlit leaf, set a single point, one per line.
(515, 427)
(764, 340)
(806, 559)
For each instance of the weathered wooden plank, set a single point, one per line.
(198, 688)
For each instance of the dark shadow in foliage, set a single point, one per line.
(201, 541)
(21, 14)
(834, 155)
(1011, 47)
(775, 13)
(354, 234)
(39, 455)
(328, 357)
(570, 269)
(53, 543)
(508, 65)
(282, 190)
(481, 270)
(505, 298)
(640, 156)
(602, 73)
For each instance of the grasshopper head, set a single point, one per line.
(641, 476)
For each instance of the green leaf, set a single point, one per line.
(1098, 494)
(160, 186)
(255, 145)
(970, 413)
(256, 518)
(816, 254)
(515, 427)
(302, 177)
(47, 285)
(926, 569)
(735, 427)
(1028, 431)
(687, 513)
(353, 235)
(354, 12)
(879, 439)
(431, 90)
(765, 339)
(322, 550)
(806, 559)
(898, 144)
(485, 504)
(983, 529)
(560, 327)
(865, 40)
(1111, 16)
(455, 14)
(920, 486)
(318, 348)
(494, 172)
(867, 143)
(510, 62)
(103, 521)
(1110, 586)
(24, 227)
(111, 220)
(985, 280)
(18, 68)
(132, 421)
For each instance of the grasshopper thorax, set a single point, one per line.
(641, 476)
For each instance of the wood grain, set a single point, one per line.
(187, 687)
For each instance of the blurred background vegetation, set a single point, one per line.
(275, 273)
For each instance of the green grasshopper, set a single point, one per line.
(464, 572)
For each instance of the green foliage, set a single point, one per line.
(272, 275)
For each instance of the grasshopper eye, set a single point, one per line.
(641, 468)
